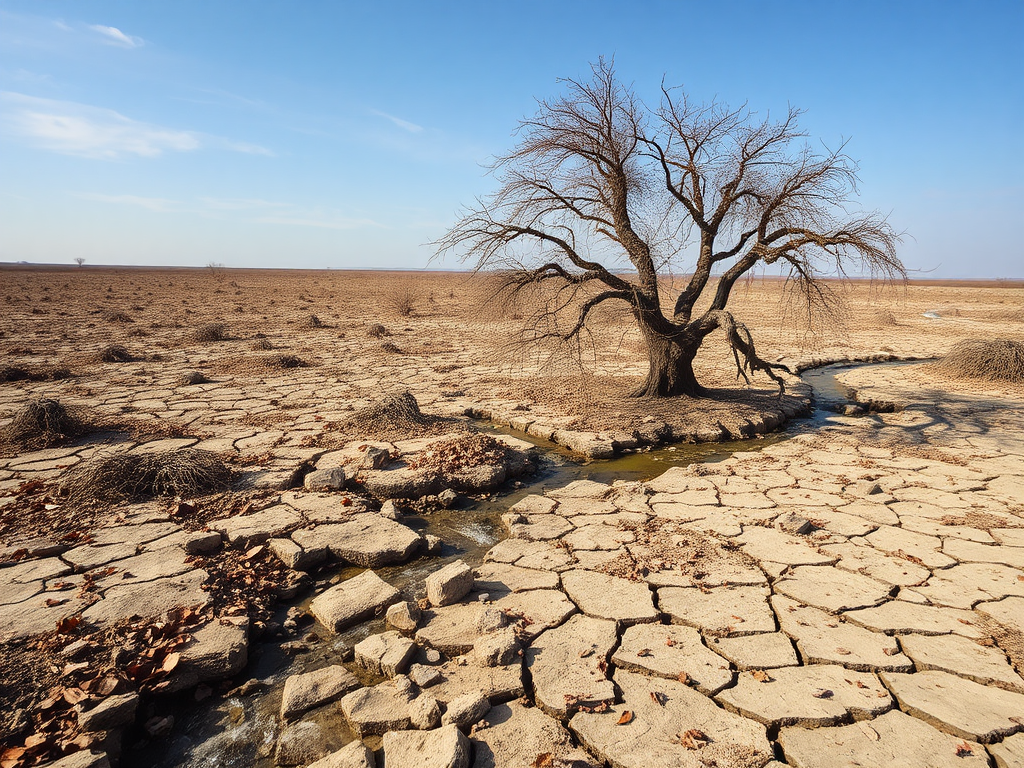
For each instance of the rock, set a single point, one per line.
(355, 754)
(825, 639)
(788, 522)
(609, 597)
(908, 543)
(82, 759)
(958, 706)
(728, 611)
(217, 650)
(403, 616)
(892, 739)
(452, 630)
(432, 544)
(769, 650)
(899, 617)
(425, 676)
(447, 498)
(832, 589)
(390, 510)
(498, 684)
(109, 713)
(377, 709)
(353, 601)
(367, 539)
(388, 653)
(963, 657)
(497, 649)
(813, 696)
(672, 651)
(466, 710)
(541, 608)
(424, 713)
(568, 665)
(245, 531)
(200, 542)
(449, 584)
(870, 562)
(536, 527)
(1009, 753)
(303, 743)
(651, 734)
(314, 689)
(295, 557)
(145, 600)
(499, 578)
(768, 544)
(332, 479)
(490, 620)
(1009, 612)
(445, 747)
(513, 733)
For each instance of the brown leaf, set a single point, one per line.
(760, 675)
(890, 651)
(963, 749)
(543, 760)
(693, 739)
(659, 698)
(627, 717)
(823, 693)
(868, 731)
(683, 678)
(170, 662)
(670, 642)
(644, 652)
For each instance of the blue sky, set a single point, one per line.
(348, 135)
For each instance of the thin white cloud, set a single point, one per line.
(240, 203)
(329, 222)
(82, 130)
(114, 36)
(403, 124)
(160, 204)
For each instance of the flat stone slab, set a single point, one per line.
(497, 579)
(960, 656)
(893, 739)
(878, 565)
(965, 585)
(824, 639)
(245, 531)
(498, 684)
(899, 617)
(813, 696)
(973, 552)
(367, 540)
(768, 544)
(768, 650)
(539, 609)
(352, 601)
(567, 664)
(832, 589)
(451, 629)
(671, 651)
(958, 706)
(539, 527)
(539, 555)
(388, 653)
(609, 597)
(513, 733)
(1009, 753)
(919, 547)
(150, 598)
(725, 611)
(33, 616)
(314, 689)
(662, 711)
(377, 709)
(355, 754)
(217, 650)
(444, 747)
(597, 536)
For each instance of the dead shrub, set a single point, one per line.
(463, 452)
(315, 322)
(114, 353)
(393, 415)
(45, 373)
(391, 348)
(44, 423)
(262, 345)
(402, 299)
(210, 332)
(377, 331)
(285, 361)
(117, 317)
(126, 476)
(996, 360)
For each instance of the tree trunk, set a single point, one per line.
(671, 366)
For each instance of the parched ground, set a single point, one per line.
(852, 595)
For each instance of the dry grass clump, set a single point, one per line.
(210, 332)
(45, 373)
(315, 322)
(44, 423)
(117, 317)
(997, 360)
(114, 353)
(398, 416)
(402, 299)
(284, 361)
(125, 476)
(262, 345)
(377, 331)
(391, 348)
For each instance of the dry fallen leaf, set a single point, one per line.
(659, 698)
(683, 678)
(627, 717)
(963, 749)
(760, 675)
(543, 760)
(694, 739)
(644, 652)
(822, 693)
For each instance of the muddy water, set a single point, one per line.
(238, 731)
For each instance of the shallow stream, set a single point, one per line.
(240, 731)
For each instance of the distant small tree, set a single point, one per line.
(80, 261)
(217, 270)
(598, 179)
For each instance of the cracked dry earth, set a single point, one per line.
(851, 597)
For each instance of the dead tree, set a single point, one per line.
(598, 181)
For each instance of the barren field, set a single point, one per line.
(224, 488)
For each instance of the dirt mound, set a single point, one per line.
(210, 332)
(393, 415)
(44, 423)
(124, 476)
(114, 353)
(998, 360)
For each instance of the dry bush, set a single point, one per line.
(463, 452)
(262, 345)
(284, 361)
(210, 332)
(43, 373)
(44, 423)
(402, 299)
(397, 416)
(377, 331)
(126, 476)
(314, 322)
(117, 317)
(114, 353)
(998, 360)
(391, 348)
